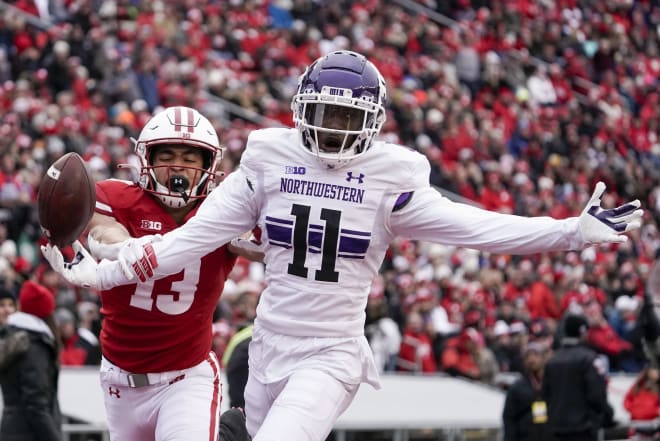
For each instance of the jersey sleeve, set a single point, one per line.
(427, 215)
(228, 211)
(102, 205)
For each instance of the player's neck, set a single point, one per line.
(179, 214)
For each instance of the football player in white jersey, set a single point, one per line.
(329, 199)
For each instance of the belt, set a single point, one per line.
(141, 380)
(120, 377)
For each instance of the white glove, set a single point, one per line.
(81, 271)
(598, 225)
(138, 259)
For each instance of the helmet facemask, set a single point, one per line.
(175, 190)
(337, 132)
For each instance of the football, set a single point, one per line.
(66, 199)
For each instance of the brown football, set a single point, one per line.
(67, 195)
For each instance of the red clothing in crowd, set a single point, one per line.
(582, 296)
(513, 292)
(541, 302)
(416, 353)
(497, 199)
(642, 403)
(605, 340)
(72, 354)
(458, 360)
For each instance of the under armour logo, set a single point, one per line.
(350, 177)
(112, 391)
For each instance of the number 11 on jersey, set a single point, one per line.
(330, 237)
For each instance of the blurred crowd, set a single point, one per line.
(520, 106)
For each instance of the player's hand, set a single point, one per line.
(251, 249)
(137, 258)
(599, 225)
(81, 271)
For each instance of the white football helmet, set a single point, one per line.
(339, 107)
(185, 126)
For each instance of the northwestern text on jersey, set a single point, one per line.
(321, 190)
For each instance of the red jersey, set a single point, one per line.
(165, 324)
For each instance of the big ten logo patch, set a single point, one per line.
(294, 170)
(151, 225)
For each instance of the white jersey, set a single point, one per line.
(326, 231)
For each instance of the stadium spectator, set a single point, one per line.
(460, 355)
(78, 349)
(416, 350)
(604, 340)
(525, 413)
(542, 302)
(12, 344)
(7, 305)
(643, 404)
(29, 383)
(642, 400)
(574, 386)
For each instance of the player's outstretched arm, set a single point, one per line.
(106, 236)
(598, 225)
(431, 217)
(226, 213)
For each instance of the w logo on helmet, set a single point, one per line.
(189, 125)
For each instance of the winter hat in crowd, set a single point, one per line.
(575, 325)
(36, 299)
(63, 316)
(7, 294)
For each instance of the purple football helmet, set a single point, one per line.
(339, 107)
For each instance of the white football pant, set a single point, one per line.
(303, 407)
(177, 405)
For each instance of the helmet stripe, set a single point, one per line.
(191, 121)
(177, 119)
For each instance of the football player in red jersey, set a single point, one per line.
(159, 378)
